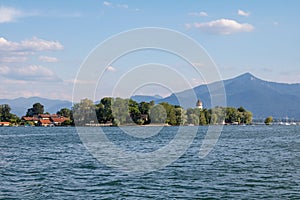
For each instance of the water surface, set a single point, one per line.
(249, 162)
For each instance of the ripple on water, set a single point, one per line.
(247, 163)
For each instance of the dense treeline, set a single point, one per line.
(118, 111)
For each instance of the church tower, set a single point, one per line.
(199, 104)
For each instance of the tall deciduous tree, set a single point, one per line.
(36, 109)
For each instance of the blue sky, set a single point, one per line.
(43, 43)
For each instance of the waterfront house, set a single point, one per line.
(44, 122)
(4, 123)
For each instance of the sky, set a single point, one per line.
(43, 44)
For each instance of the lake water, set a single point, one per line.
(250, 162)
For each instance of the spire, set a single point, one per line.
(199, 104)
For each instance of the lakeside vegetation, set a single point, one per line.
(117, 111)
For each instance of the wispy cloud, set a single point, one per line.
(200, 14)
(8, 14)
(123, 6)
(107, 3)
(48, 59)
(12, 59)
(243, 13)
(13, 52)
(29, 73)
(33, 44)
(110, 4)
(222, 26)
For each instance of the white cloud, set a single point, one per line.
(111, 69)
(13, 59)
(8, 14)
(48, 59)
(243, 13)
(41, 45)
(110, 4)
(106, 3)
(16, 52)
(200, 14)
(28, 73)
(34, 44)
(222, 26)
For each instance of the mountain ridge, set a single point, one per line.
(262, 98)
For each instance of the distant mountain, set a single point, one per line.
(141, 98)
(20, 105)
(262, 98)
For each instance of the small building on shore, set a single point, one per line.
(4, 123)
(45, 120)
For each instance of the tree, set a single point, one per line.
(158, 114)
(65, 112)
(171, 113)
(6, 116)
(181, 116)
(84, 112)
(134, 112)
(36, 109)
(104, 110)
(202, 119)
(193, 119)
(120, 111)
(5, 112)
(269, 120)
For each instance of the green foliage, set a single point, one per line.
(68, 122)
(104, 110)
(65, 112)
(120, 111)
(84, 112)
(36, 109)
(158, 114)
(171, 119)
(5, 113)
(6, 116)
(269, 120)
(218, 115)
(240, 115)
(134, 112)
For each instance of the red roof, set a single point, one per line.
(58, 119)
(4, 123)
(44, 121)
(30, 118)
(44, 116)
